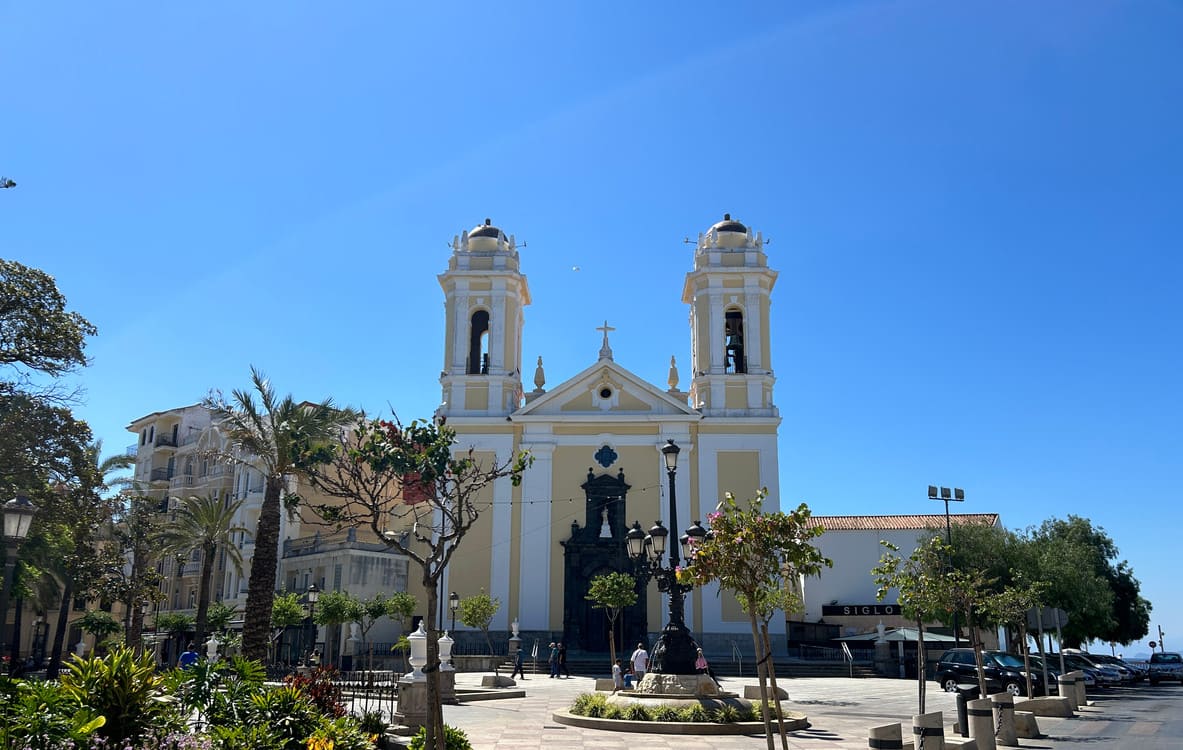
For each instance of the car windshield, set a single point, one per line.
(1008, 660)
(1167, 658)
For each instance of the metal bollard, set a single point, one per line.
(962, 713)
(929, 731)
(886, 737)
(981, 723)
(1067, 684)
(1004, 720)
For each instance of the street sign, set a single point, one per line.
(1046, 618)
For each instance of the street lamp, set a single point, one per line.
(453, 605)
(675, 649)
(18, 516)
(958, 496)
(313, 595)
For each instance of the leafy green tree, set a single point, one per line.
(752, 552)
(98, 623)
(1099, 593)
(387, 473)
(273, 435)
(372, 610)
(203, 524)
(917, 578)
(477, 611)
(612, 592)
(38, 333)
(178, 626)
(219, 616)
(134, 536)
(400, 607)
(286, 612)
(334, 609)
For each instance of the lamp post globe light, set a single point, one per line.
(453, 605)
(18, 516)
(675, 650)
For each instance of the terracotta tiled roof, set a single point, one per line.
(904, 523)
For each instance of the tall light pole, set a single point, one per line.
(957, 495)
(675, 649)
(18, 516)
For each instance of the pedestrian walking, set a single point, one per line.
(188, 657)
(640, 660)
(563, 660)
(518, 665)
(552, 660)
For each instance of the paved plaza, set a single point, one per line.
(839, 710)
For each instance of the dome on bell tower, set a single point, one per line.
(729, 225)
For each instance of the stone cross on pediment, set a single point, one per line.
(605, 350)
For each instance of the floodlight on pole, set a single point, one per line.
(955, 495)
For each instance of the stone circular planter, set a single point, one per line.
(793, 721)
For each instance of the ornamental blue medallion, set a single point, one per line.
(605, 457)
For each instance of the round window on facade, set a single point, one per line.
(605, 393)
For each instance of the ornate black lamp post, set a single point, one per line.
(18, 516)
(675, 650)
(313, 596)
(453, 605)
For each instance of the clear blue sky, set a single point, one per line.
(975, 209)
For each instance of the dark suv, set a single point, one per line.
(1003, 672)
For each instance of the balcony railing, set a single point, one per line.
(161, 475)
(165, 441)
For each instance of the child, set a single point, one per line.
(617, 677)
(629, 677)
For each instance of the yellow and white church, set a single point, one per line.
(596, 439)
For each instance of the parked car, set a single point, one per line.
(1128, 674)
(1002, 671)
(1053, 674)
(1053, 667)
(1106, 675)
(1165, 666)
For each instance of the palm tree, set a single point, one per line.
(202, 524)
(270, 435)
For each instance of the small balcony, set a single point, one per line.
(165, 441)
(160, 475)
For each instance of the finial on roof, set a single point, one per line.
(605, 349)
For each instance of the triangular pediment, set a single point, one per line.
(605, 390)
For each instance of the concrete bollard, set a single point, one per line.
(886, 737)
(981, 722)
(1067, 683)
(1081, 694)
(1004, 720)
(929, 731)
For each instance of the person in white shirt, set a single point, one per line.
(640, 660)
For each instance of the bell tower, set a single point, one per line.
(729, 293)
(484, 292)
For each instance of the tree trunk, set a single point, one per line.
(435, 710)
(207, 572)
(763, 685)
(261, 587)
(780, 718)
(59, 633)
(921, 666)
(976, 642)
(612, 640)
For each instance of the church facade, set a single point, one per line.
(596, 438)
